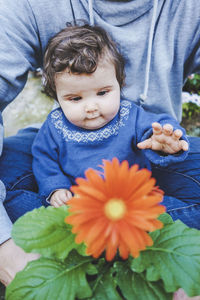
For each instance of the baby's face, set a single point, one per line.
(92, 100)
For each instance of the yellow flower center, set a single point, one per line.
(115, 209)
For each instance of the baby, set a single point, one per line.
(84, 72)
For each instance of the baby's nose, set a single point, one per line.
(91, 107)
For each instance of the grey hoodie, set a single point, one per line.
(160, 45)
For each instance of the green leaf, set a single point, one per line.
(44, 231)
(174, 258)
(135, 286)
(48, 279)
(166, 219)
(104, 286)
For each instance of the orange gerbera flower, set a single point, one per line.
(115, 212)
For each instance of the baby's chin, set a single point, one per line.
(94, 124)
(94, 127)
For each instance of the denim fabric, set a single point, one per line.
(181, 181)
(16, 173)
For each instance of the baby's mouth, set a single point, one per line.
(92, 117)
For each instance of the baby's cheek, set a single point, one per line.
(74, 115)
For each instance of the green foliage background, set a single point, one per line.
(191, 111)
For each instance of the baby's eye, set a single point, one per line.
(75, 98)
(102, 93)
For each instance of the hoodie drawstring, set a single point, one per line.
(91, 12)
(149, 51)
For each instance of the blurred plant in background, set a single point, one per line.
(192, 85)
(30, 107)
(191, 105)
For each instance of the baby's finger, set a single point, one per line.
(145, 144)
(168, 129)
(184, 145)
(157, 128)
(177, 134)
(68, 194)
(60, 200)
(55, 204)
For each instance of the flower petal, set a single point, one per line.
(137, 192)
(89, 191)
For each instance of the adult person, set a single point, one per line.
(159, 40)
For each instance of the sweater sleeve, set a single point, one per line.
(144, 131)
(46, 167)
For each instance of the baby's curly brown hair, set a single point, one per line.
(78, 49)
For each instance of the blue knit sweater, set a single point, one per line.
(63, 151)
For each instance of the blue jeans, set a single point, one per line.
(16, 173)
(181, 181)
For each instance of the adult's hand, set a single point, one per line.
(181, 295)
(12, 260)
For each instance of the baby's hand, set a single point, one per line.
(164, 139)
(60, 197)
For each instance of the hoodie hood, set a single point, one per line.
(131, 11)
